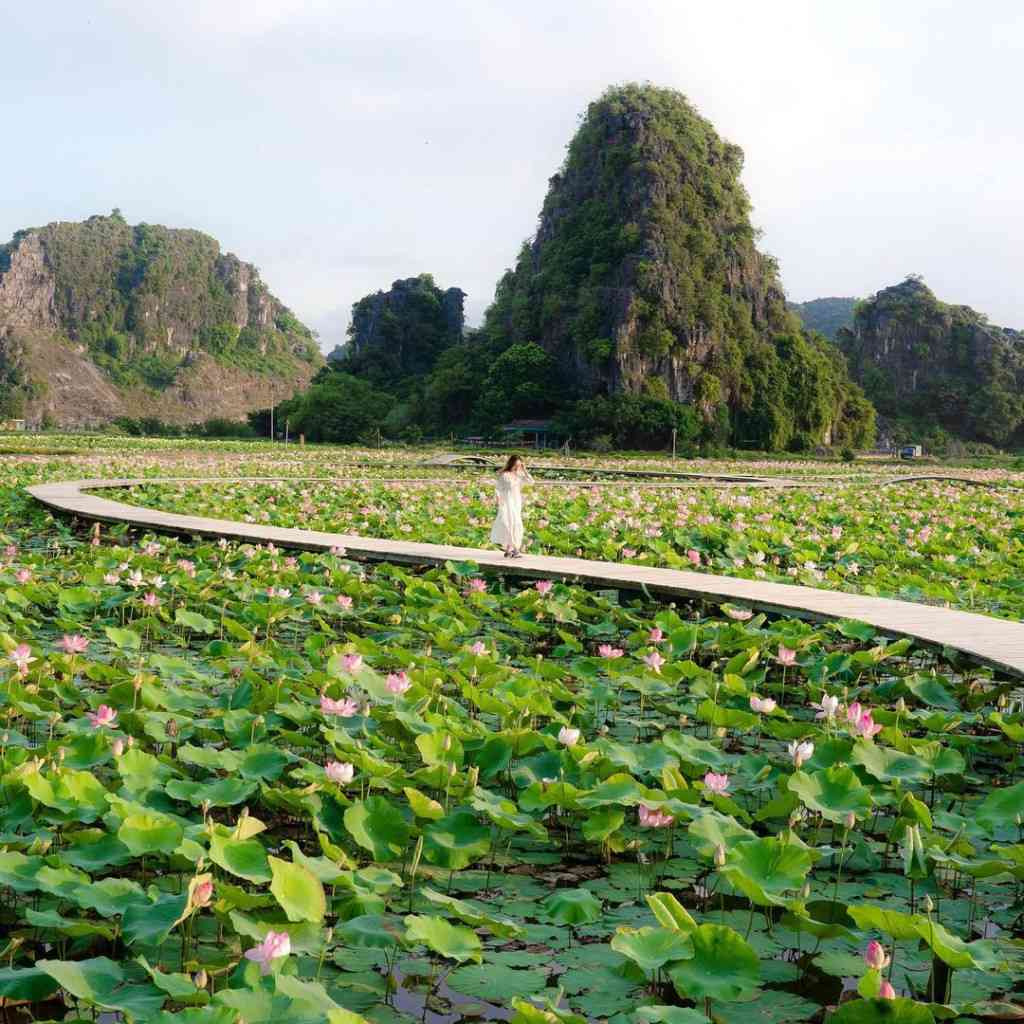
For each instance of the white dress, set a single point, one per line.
(507, 530)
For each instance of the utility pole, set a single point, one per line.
(271, 412)
(286, 430)
(673, 442)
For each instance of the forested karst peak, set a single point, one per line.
(101, 318)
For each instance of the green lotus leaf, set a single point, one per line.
(245, 858)
(572, 906)
(889, 765)
(150, 833)
(1000, 809)
(456, 841)
(298, 891)
(218, 793)
(451, 941)
(372, 931)
(670, 913)
(193, 620)
(651, 948)
(496, 983)
(669, 1015)
(149, 923)
(881, 1011)
(378, 826)
(103, 983)
(834, 792)
(723, 967)
(766, 869)
(474, 916)
(29, 984)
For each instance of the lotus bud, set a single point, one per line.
(447, 742)
(200, 979)
(131, 742)
(875, 956)
(61, 754)
(886, 991)
(901, 706)
(205, 807)
(805, 892)
(118, 747)
(328, 936)
(719, 856)
(452, 769)
(850, 820)
(927, 904)
(172, 728)
(244, 816)
(721, 732)
(1002, 702)
(473, 776)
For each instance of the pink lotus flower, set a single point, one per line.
(655, 636)
(875, 956)
(398, 682)
(827, 706)
(118, 747)
(23, 575)
(607, 651)
(342, 708)
(867, 726)
(886, 991)
(22, 658)
(694, 556)
(716, 783)
(345, 601)
(74, 644)
(314, 597)
(104, 715)
(337, 549)
(628, 553)
(568, 737)
(479, 648)
(202, 894)
(786, 655)
(800, 752)
(274, 946)
(340, 772)
(762, 705)
(739, 614)
(476, 585)
(853, 713)
(654, 661)
(112, 578)
(652, 818)
(543, 586)
(351, 662)
(150, 600)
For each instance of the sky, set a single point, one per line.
(340, 146)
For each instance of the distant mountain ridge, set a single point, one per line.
(826, 315)
(929, 365)
(102, 319)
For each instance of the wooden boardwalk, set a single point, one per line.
(995, 642)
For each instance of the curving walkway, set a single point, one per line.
(995, 642)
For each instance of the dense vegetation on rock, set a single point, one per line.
(826, 315)
(641, 294)
(401, 332)
(101, 319)
(934, 369)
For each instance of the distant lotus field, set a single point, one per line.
(938, 542)
(241, 784)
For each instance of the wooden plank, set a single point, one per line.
(995, 642)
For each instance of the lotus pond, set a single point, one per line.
(241, 785)
(939, 542)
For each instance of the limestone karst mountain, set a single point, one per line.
(102, 319)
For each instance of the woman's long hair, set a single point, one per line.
(511, 464)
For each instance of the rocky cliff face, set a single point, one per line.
(101, 319)
(932, 364)
(407, 326)
(643, 275)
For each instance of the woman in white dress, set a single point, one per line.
(508, 523)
